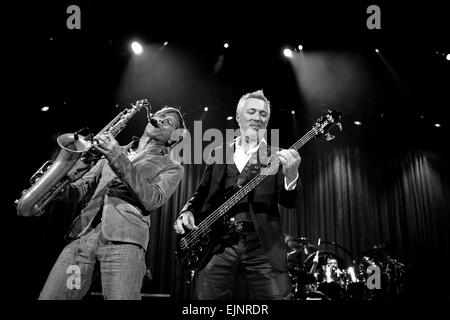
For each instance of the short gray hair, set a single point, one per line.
(259, 94)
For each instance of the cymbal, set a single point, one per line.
(301, 247)
(376, 251)
(311, 246)
(302, 240)
(326, 245)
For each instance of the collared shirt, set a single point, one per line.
(240, 158)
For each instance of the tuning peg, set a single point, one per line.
(339, 125)
(329, 136)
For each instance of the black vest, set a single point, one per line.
(233, 178)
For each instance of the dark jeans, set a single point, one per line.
(122, 267)
(245, 255)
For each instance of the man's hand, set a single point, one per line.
(185, 220)
(108, 145)
(290, 159)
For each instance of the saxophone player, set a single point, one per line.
(113, 228)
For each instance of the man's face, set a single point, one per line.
(167, 124)
(253, 118)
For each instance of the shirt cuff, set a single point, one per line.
(291, 185)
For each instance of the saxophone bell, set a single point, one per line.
(74, 159)
(74, 142)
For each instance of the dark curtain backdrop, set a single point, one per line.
(351, 196)
(355, 195)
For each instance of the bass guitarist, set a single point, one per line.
(256, 246)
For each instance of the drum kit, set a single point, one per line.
(328, 271)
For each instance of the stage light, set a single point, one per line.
(421, 117)
(229, 118)
(166, 43)
(377, 51)
(287, 53)
(226, 45)
(358, 123)
(448, 57)
(293, 111)
(45, 108)
(437, 125)
(205, 108)
(300, 47)
(137, 48)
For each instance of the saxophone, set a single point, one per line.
(74, 159)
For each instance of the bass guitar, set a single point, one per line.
(195, 248)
